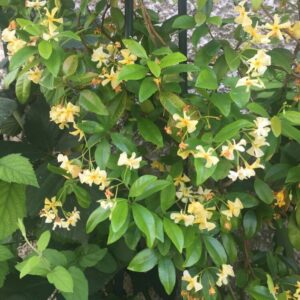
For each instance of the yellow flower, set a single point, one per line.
(184, 153)
(100, 56)
(256, 36)
(111, 78)
(205, 194)
(128, 58)
(95, 176)
(243, 18)
(50, 18)
(295, 30)
(62, 115)
(250, 82)
(132, 162)
(14, 46)
(207, 155)
(158, 165)
(223, 275)
(77, 131)
(187, 219)
(52, 204)
(185, 122)
(181, 180)
(234, 208)
(259, 63)
(192, 282)
(8, 35)
(52, 33)
(72, 219)
(280, 198)
(202, 215)
(67, 165)
(35, 75)
(256, 144)
(276, 27)
(36, 4)
(184, 193)
(48, 214)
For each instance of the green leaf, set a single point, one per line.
(231, 130)
(4, 269)
(184, 22)
(200, 18)
(29, 264)
(263, 191)
(53, 63)
(256, 4)
(5, 253)
(69, 35)
(21, 57)
(171, 102)
(168, 195)
(89, 255)
(123, 143)
(81, 288)
(141, 184)
(10, 78)
(91, 127)
(207, 79)
(150, 132)
(293, 175)
(215, 250)
(132, 72)
(23, 87)
(182, 68)
(30, 27)
(96, 217)
(102, 154)
(43, 240)
(172, 59)
(215, 20)
(62, 279)
(290, 131)
(7, 107)
(154, 68)
(294, 232)
(230, 247)
(119, 214)
(240, 96)
(193, 253)
(12, 207)
(259, 292)
(276, 126)
(114, 236)
(82, 196)
(16, 168)
(175, 234)
(70, 65)
(222, 102)
(282, 58)
(45, 49)
(250, 224)
(144, 220)
(202, 172)
(292, 116)
(92, 103)
(135, 48)
(258, 109)
(232, 58)
(167, 274)
(147, 89)
(144, 261)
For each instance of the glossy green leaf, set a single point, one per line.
(147, 89)
(150, 132)
(175, 234)
(62, 279)
(207, 79)
(144, 261)
(43, 240)
(45, 49)
(215, 250)
(132, 72)
(119, 214)
(91, 102)
(263, 191)
(135, 48)
(97, 216)
(167, 274)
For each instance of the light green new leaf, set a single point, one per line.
(45, 49)
(119, 214)
(12, 207)
(135, 48)
(172, 59)
(62, 279)
(144, 261)
(232, 58)
(23, 87)
(175, 234)
(132, 72)
(5, 253)
(16, 168)
(21, 57)
(97, 216)
(43, 240)
(147, 89)
(154, 68)
(70, 65)
(276, 126)
(207, 79)
(29, 264)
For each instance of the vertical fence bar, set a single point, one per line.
(128, 18)
(182, 39)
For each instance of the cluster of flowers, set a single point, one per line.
(262, 34)
(111, 59)
(194, 284)
(50, 212)
(197, 209)
(257, 138)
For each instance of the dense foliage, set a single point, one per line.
(117, 183)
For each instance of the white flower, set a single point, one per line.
(223, 274)
(227, 151)
(36, 4)
(184, 193)
(192, 281)
(207, 155)
(257, 143)
(275, 28)
(259, 63)
(8, 35)
(100, 56)
(185, 122)
(132, 162)
(262, 128)
(249, 82)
